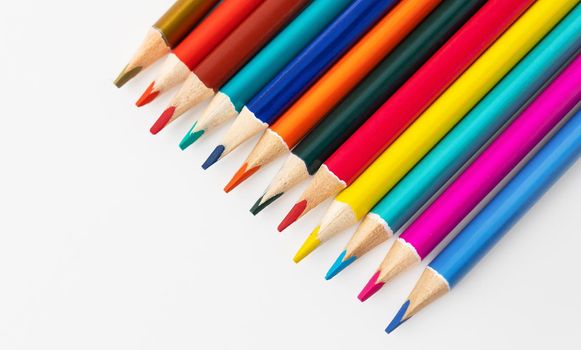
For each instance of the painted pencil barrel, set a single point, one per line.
(314, 60)
(453, 105)
(383, 81)
(179, 20)
(400, 204)
(511, 203)
(424, 87)
(246, 40)
(284, 47)
(462, 196)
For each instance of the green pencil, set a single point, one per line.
(346, 118)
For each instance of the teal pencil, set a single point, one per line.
(414, 190)
(262, 68)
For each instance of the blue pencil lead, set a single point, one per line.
(339, 265)
(214, 157)
(398, 319)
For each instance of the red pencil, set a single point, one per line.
(397, 113)
(198, 44)
(219, 66)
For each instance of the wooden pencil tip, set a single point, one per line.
(371, 287)
(126, 75)
(242, 174)
(293, 215)
(163, 120)
(260, 205)
(149, 95)
(399, 319)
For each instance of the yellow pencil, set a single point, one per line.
(357, 200)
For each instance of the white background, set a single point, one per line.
(111, 238)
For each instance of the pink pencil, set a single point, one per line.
(458, 200)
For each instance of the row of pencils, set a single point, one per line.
(409, 113)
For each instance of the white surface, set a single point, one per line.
(114, 239)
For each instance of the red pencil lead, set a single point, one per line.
(371, 287)
(163, 120)
(242, 174)
(149, 95)
(293, 215)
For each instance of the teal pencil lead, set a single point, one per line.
(191, 137)
(339, 265)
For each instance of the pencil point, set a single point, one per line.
(214, 157)
(125, 76)
(163, 120)
(398, 320)
(293, 215)
(370, 288)
(191, 137)
(149, 95)
(242, 174)
(340, 264)
(259, 205)
(308, 246)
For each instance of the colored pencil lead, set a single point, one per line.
(126, 75)
(399, 318)
(261, 204)
(163, 120)
(371, 287)
(308, 246)
(149, 95)
(292, 172)
(340, 264)
(214, 157)
(242, 174)
(191, 137)
(293, 215)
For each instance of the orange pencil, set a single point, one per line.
(298, 120)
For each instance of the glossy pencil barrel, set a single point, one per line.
(383, 81)
(400, 204)
(284, 47)
(511, 203)
(440, 218)
(179, 20)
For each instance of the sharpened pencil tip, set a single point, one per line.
(340, 264)
(191, 137)
(308, 246)
(259, 205)
(163, 120)
(293, 215)
(214, 157)
(242, 174)
(370, 288)
(149, 95)
(125, 76)
(398, 320)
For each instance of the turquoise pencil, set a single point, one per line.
(488, 227)
(229, 101)
(412, 192)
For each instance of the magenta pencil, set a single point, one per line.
(485, 173)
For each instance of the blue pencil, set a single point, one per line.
(488, 227)
(288, 85)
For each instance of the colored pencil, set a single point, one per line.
(164, 35)
(198, 44)
(385, 79)
(488, 227)
(239, 90)
(456, 149)
(343, 166)
(354, 202)
(301, 73)
(225, 60)
(462, 196)
(344, 76)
